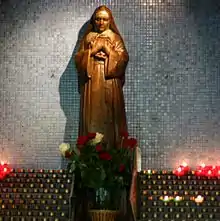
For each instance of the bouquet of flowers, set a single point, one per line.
(101, 167)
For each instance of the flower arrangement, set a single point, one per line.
(98, 166)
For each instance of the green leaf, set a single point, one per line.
(93, 177)
(72, 167)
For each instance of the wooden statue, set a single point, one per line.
(101, 62)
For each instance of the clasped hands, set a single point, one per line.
(101, 46)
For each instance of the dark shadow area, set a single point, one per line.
(203, 7)
(69, 94)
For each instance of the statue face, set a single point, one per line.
(102, 21)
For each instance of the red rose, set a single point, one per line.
(82, 140)
(124, 134)
(105, 156)
(132, 142)
(91, 135)
(121, 168)
(98, 148)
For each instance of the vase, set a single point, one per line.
(106, 205)
(107, 199)
(103, 215)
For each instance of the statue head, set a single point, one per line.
(101, 19)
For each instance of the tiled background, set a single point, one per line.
(172, 84)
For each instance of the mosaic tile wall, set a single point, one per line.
(172, 84)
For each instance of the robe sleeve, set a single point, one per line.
(117, 61)
(81, 62)
(81, 59)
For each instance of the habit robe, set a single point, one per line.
(102, 107)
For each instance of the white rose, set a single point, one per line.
(98, 138)
(64, 147)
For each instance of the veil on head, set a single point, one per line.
(112, 25)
